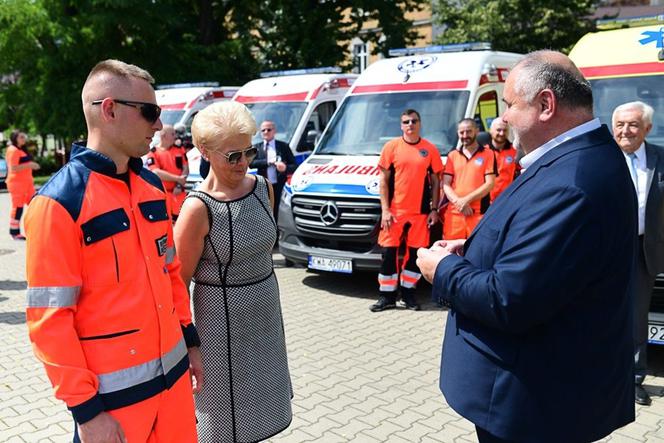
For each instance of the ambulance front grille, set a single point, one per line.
(336, 216)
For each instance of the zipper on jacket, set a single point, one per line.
(117, 265)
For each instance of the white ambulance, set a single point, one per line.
(300, 103)
(625, 65)
(330, 213)
(181, 102)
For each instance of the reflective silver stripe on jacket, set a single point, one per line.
(135, 375)
(52, 296)
(170, 255)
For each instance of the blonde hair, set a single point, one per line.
(219, 122)
(120, 69)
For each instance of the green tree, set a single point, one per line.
(516, 25)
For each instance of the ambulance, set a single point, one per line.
(624, 65)
(300, 102)
(180, 103)
(329, 216)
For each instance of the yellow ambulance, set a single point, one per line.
(624, 62)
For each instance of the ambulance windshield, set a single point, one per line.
(611, 92)
(365, 122)
(170, 117)
(285, 115)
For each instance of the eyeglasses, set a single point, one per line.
(267, 130)
(234, 156)
(408, 122)
(149, 111)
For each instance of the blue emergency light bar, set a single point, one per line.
(304, 71)
(454, 47)
(630, 22)
(190, 85)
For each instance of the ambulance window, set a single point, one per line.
(319, 119)
(187, 124)
(486, 110)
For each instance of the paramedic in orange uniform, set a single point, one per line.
(506, 164)
(410, 168)
(107, 311)
(19, 180)
(470, 173)
(169, 163)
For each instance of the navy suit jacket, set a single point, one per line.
(538, 343)
(653, 243)
(283, 151)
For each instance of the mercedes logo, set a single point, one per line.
(329, 213)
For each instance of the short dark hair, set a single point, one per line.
(468, 120)
(13, 137)
(407, 112)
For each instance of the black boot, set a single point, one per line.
(408, 297)
(387, 300)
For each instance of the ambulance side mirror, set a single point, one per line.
(312, 136)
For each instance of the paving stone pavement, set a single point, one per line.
(357, 376)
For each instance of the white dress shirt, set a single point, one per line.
(271, 155)
(533, 156)
(641, 183)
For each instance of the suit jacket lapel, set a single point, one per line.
(651, 162)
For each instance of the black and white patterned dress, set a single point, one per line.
(247, 392)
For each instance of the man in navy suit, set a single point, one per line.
(274, 161)
(538, 342)
(631, 124)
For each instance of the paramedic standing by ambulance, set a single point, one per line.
(506, 164)
(107, 311)
(470, 173)
(169, 163)
(410, 168)
(19, 180)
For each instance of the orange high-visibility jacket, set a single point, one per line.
(107, 311)
(15, 157)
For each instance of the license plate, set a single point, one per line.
(331, 264)
(656, 334)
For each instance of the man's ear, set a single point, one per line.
(108, 110)
(546, 100)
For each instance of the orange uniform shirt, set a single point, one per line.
(469, 174)
(14, 157)
(507, 167)
(170, 160)
(410, 165)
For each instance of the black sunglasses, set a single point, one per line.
(149, 111)
(412, 120)
(267, 130)
(234, 156)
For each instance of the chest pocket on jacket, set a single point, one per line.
(103, 254)
(154, 210)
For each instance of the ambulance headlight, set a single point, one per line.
(286, 197)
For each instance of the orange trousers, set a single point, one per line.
(457, 226)
(21, 194)
(168, 417)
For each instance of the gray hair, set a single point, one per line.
(219, 122)
(647, 111)
(539, 71)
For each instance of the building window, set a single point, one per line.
(360, 57)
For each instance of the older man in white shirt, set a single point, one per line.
(631, 124)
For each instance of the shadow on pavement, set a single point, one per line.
(12, 318)
(13, 285)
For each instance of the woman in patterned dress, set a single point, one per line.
(224, 238)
